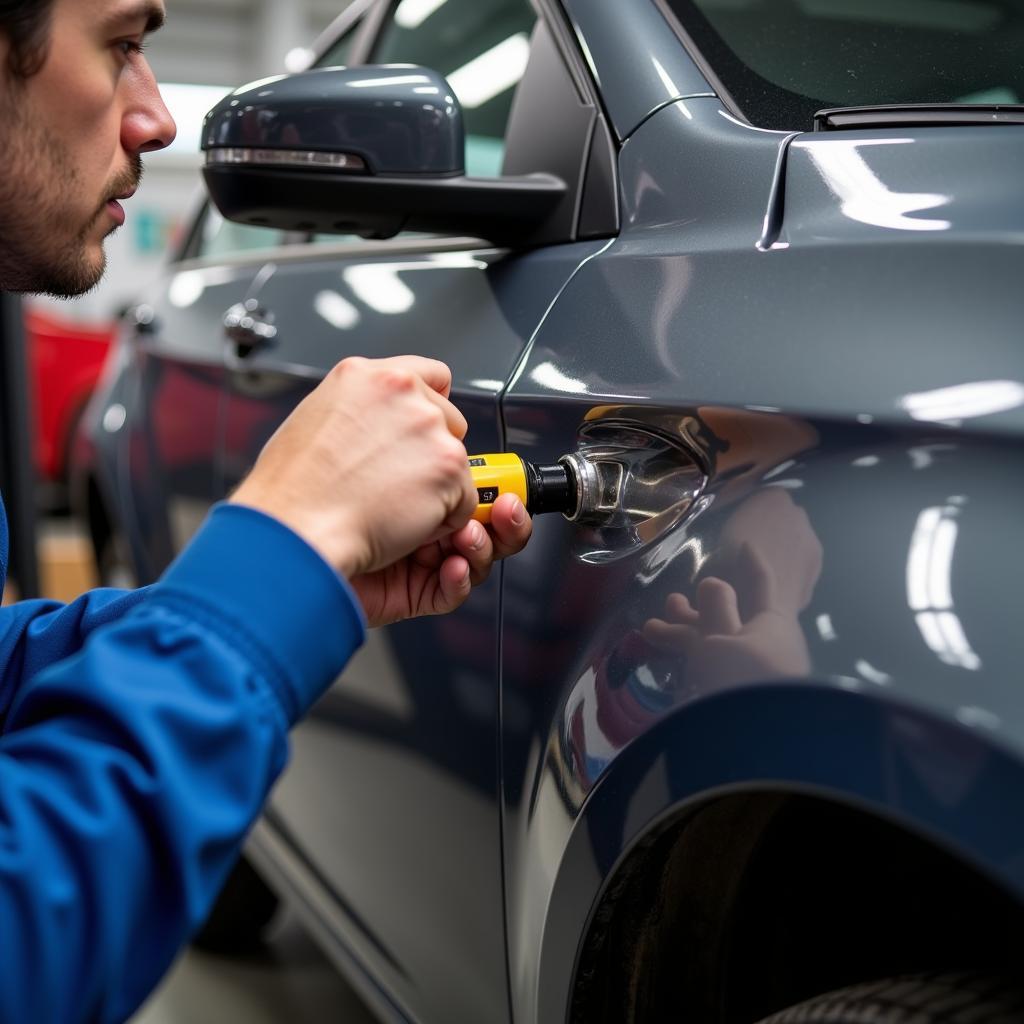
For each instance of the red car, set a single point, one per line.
(64, 362)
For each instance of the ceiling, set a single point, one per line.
(228, 42)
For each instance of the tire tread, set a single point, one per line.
(965, 997)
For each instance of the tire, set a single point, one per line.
(947, 998)
(241, 914)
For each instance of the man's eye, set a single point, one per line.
(131, 47)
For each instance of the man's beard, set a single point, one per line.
(40, 251)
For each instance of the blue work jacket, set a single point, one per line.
(139, 735)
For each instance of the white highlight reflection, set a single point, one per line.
(964, 401)
(299, 58)
(412, 13)
(114, 418)
(872, 674)
(187, 286)
(863, 195)
(371, 83)
(930, 590)
(486, 384)
(336, 310)
(550, 376)
(490, 74)
(380, 287)
(666, 81)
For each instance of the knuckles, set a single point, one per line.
(395, 381)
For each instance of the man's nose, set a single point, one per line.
(147, 124)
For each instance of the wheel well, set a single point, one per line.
(756, 901)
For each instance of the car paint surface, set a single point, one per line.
(824, 333)
(636, 61)
(869, 474)
(417, 710)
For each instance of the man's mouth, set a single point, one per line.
(116, 210)
(114, 207)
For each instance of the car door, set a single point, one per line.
(390, 801)
(167, 462)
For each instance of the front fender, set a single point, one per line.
(950, 785)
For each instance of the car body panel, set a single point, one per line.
(889, 672)
(145, 459)
(636, 61)
(413, 858)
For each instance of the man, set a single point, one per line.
(140, 732)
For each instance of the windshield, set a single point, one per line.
(783, 60)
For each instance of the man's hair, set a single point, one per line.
(26, 24)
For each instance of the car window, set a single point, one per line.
(481, 47)
(217, 237)
(782, 62)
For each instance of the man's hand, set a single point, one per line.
(438, 577)
(371, 471)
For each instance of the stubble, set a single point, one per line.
(41, 249)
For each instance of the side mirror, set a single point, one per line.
(369, 151)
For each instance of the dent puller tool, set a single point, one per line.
(555, 488)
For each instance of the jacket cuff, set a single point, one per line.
(263, 581)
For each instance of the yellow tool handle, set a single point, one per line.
(494, 475)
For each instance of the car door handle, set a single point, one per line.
(248, 326)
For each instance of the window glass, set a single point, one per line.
(783, 61)
(220, 237)
(481, 47)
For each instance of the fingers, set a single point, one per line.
(474, 543)
(477, 548)
(669, 637)
(454, 420)
(719, 611)
(464, 503)
(510, 525)
(435, 374)
(453, 584)
(679, 610)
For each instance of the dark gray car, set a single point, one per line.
(755, 731)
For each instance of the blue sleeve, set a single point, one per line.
(34, 634)
(131, 770)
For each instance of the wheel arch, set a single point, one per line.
(933, 783)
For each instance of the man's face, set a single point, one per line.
(71, 140)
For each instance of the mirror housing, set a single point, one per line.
(370, 151)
